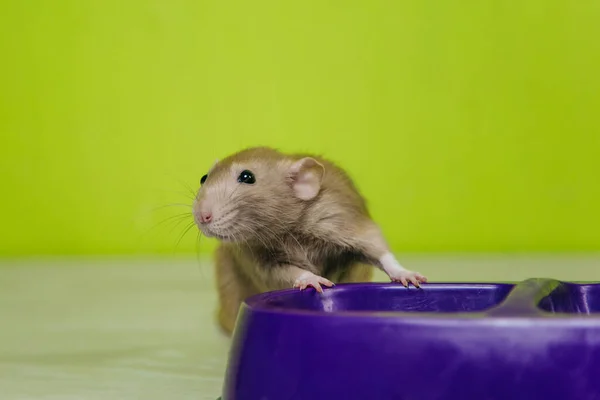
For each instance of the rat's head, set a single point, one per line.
(255, 194)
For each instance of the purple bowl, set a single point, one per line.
(537, 339)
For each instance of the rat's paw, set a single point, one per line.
(312, 280)
(408, 276)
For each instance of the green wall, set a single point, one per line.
(469, 125)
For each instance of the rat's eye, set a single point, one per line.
(246, 177)
(203, 179)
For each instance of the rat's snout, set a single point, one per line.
(205, 217)
(203, 213)
(211, 215)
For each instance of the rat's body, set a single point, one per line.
(287, 221)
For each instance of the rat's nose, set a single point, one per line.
(205, 217)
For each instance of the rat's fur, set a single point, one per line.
(277, 234)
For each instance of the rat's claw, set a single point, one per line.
(326, 282)
(314, 281)
(300, 284)
(408, 276)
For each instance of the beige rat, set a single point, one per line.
(287, 220)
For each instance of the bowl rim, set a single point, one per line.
(255, 304)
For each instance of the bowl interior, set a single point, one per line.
(573, 298)
(446, 298)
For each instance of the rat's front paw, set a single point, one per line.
(310, 279)
(405, 276)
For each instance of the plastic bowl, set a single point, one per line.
(537, 339)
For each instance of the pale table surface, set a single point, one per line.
(143, 328)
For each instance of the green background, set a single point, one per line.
(468, 125)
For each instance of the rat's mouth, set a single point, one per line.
(219, 236)
(210, 233)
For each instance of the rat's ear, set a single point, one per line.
(306, 175)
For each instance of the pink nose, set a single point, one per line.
(205, 217)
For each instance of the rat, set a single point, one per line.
(288, 221)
